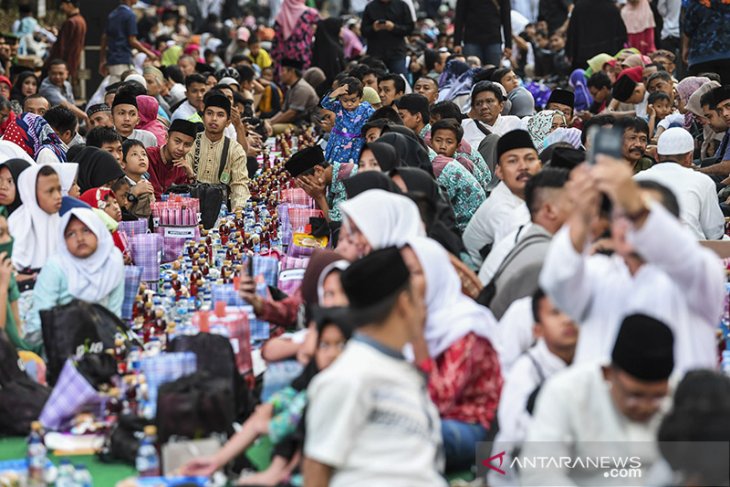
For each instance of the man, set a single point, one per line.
(487, 103)
(657, 268)
(195, 89)
(385, 25)
(636, 138)
(169, 164)
(71, 38)
(435, 61)
(519, 256)
(595, 26)
(630, 89)
(563, 101)
(699, 208)
(413, 109)
(556, 336)
(187, 64)
(505, 209)
(709, 118)
(599, 85)
(370, 420)
(117, 42)
(57, 90)
(390, 88)
(126, 117)
(661, 81)
(64, 123)
(479, 26)
(300, 100)
(427, 87)
(721, 102)
(106, 139)
(36, 104)
(100, 115)
(215, 158)
(670, 11)
(619, 404)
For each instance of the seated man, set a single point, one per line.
(57, 89)
(300, 100)
(100, 115)
(487, 104)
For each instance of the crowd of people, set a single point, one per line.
(525, 201)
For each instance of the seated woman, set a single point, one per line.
(457, 352)
(87, 266)
(281, 415)
(9, 172)
(543, 124)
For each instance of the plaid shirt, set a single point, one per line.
(132, 278)
(70, 395)
(147, 254)
(164, 368)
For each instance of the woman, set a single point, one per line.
(294, 29)
(368, 180)
(26, 85)
(686, 87)
(377, 219)
(583, 98)
(639, 20)
(148, 108)
(97, 168)
(87, 267)
(457, 352)
(327, 52)
(544, 123)
(523, 104)
(33, 134)
(10, 170)
(378, 156)
(410, 151)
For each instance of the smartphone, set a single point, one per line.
(605, 140)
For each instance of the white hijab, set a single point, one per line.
(384, 218)
(11, 150)
(451, 314)
(33, 229)
(93, 278)
(67, 172)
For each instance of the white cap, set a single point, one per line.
(138, 78)
(228, 81)
(675, 141)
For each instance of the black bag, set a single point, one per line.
(77, 324)
(211, 196)
(21, 399)
(194, 407)
(122, 442)
(215, 357)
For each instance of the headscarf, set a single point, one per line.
(33, 229)
(171, 55)
(353, 46)
(148, 107)
(93, 278)
(541, 125)
(290, 13)
(384, 218)
(15, 166)
(96, 168)
(327, 51)
(386, 155)
(693, 102)
(321, 258)
(364, 181)
(139, 60)
(8, 122)
(596, 63)
(154, 72)
(637, 17)
(67, 172)
(96, 199)
(583, 98)
(456, 80)
(626, 52)
(17, 92)
(689, 85)
(570, 135)
(451, 315)
(315, 77)
(410, 151)
(339, 265)
(11, 150)
(33, 134)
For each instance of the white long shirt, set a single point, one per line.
(670, 10)
(501, 250)
(698, 206)
(500, 214)
(514, 334)
(503, 124)
(680, 284)
(576, 417)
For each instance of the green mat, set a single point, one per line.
(104, 474)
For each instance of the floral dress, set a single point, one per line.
(298, 45)
(346, 139)
(465, 192)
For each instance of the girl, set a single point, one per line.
(280, 416)
(351, 113)
(135, 164)
(544, 123)
(68, 172)
(9, 172)
(87, 266)
(97, 168)
(104, 201)
(457, 353)
(378, 156)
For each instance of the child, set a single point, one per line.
(104, 201)
(465, 192)
(660, 107)
(135, 164)
(378, 156)
(106, 139)
(352, 113)
(87, 266)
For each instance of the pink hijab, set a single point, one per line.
(148, 108)
(637, 17)
(291, 11)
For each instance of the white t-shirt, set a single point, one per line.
(184, 111)
(147, 138)
(503, 124)
(370, 418)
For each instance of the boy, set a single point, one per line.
(168, 164)
(659, 107)
(629, 88)
(126, 118)
(135, 166)
(106, 139)
(257, 55)
(556, 338)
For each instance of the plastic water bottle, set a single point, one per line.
(82, 476)
(148, 462)
(65, 474)
(37, 456)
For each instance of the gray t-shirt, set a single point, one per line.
(302, 98)
(55, 94)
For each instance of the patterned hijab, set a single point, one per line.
(541, 125)
(33, 134)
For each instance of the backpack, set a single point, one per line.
(76, 328)
(123, 439)
(21, 399)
